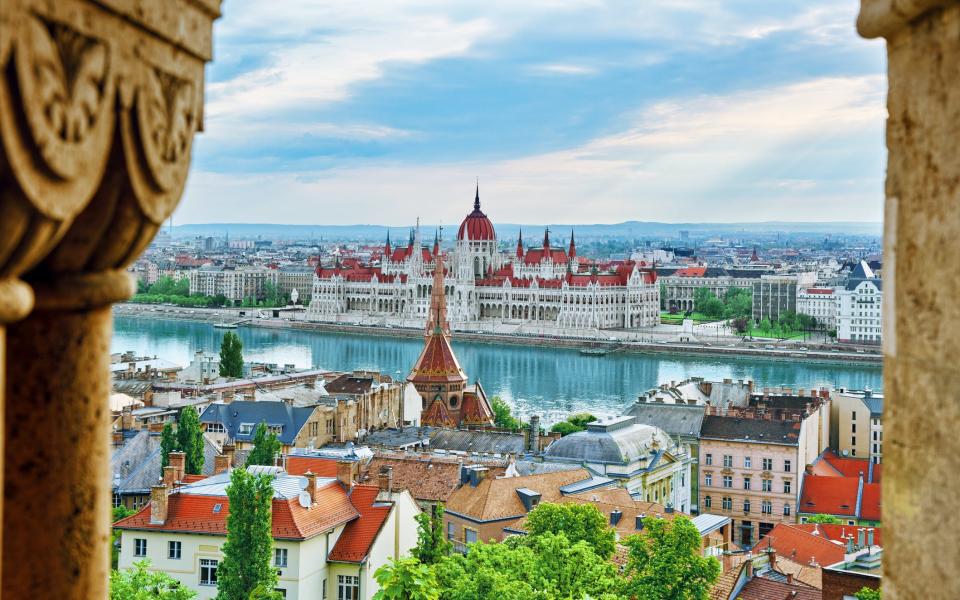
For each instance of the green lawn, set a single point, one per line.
(677, 319)
(768, 333)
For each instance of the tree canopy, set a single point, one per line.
(406, 579)
(502, 415)
(665, 562)
(579, 522)
(868, 594)
(573, 424)
(431, 546)
(824, 519)
(139, 583)
(190, 440)
(168, 443)
(246, 568)
(231, 355)
(266, 446)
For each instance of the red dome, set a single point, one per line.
(477, 226)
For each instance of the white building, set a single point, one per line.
(819, 303)
(330, 535)
(859, 308)
(542, 285)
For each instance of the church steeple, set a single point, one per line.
(546, 240)
(476, 199)
(386, 249)
(573, 246)
(436, 244)
(437, 321)
(520, 244)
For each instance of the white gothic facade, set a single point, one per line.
(545, 285)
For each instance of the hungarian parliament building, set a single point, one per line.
(545, 285)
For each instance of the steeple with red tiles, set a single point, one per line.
(520, 245)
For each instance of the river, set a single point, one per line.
(552, 382)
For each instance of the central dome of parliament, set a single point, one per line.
(476, 226)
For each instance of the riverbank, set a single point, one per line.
(616, 342)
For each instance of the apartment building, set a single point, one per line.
(856, 422)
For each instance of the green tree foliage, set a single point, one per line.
(573, 424)
(168, 443)
(868, 594)
(579, 522)
(138, 583)
(406, 579)
(190, 440)
(119, 512)
(247, 553)
(665, 562)
(231, 355)
(266, 446)
(824, 519)
(502, 415)
(736, 303)
(431, 546)
(706, 303)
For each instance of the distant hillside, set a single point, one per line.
(628, 229)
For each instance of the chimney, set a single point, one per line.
(221, 464)
(158, 504)
(860, 538)
(477, 474)
(311, 485)
(749, 568)
(772, 555)
(870, 536)
(535, 434)
(850, 544)
(345, 473)
(126, 418)
(229, 451)
(118, 437)
(789, 578)
(178, 460)
(385, 479)
(669, 509)
(808, 469)
(169, 475)
(615, 516)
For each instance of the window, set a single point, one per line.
(348, 587)
(469, 535)
(174, 550)
(707, 501)
(450, 530)
(767, 485)
(746, 462)
(786, 510)
(768, 464)
(787, 466)
(280, 557)
(853, 415)
(117, 501)
(853, 440)
(786, 487)
(245, 429)
(874, 435)
(708, 480)
(746, 483)
(727, 460)
(216, 428)
(324, 588)
(853, 428)
(853, 452)
(746, 507)
(139, 547)
(709, 459)
(727, 481)
(766, 507)
(208, 571)
(727, 503)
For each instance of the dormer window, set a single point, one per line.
(245, 429)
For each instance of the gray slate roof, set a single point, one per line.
(136, 464)
(476, 441)
(675, 419)
(751, 430)
(612, 441)
(290, 419)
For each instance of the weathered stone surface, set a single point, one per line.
(920, 486)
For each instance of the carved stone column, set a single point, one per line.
(921, 286)
(99, 103)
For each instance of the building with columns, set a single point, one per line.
(540, 285)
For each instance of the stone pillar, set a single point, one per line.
(99, 103)
(921, 287)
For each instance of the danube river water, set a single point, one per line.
(552, 382)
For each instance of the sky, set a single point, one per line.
(567, 111)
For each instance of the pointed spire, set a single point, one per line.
(386, 248)
(436, 244)
(476, 199)
(520, 244)
(437, 321)
(573, 246)
(546, 241)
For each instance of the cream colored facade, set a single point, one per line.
(857, 425)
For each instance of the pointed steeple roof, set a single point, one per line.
(573, 246)
(476, 199)
(386, 249)
(546, 239)
(520, 245)
(437, 363)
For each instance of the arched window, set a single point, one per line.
(453, 401)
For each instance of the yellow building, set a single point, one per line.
(856, 419)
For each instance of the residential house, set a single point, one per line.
(846, 488)
(330, 535)
(815, 544)
(295, 427)
(856, 424)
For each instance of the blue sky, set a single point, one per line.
(568, 111)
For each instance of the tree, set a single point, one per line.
(266, 446)
(573, 424)
(119, 512)
(168, 443)
(271, 293)
(664, 562)
(824, 519)
(406, 579)
(231, 355)
(502, 416)
(248, 551)
(579, 522)
(868, 594)
(190, 440)
(432, 545)
(138, 583)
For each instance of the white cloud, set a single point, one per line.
(563, 69)
(697, 159)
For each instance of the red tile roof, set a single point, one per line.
(359, 535)
(790, 541)
(836, 532)
(824, 291)
(830, 495)
(437, 363)
(830, 464)
(475, 409)
(321, 467)
(760, 588)
(194, 513)
(870, 502)
(691, 272)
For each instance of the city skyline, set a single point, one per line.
(586, 112)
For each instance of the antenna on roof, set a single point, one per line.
(305, 500)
